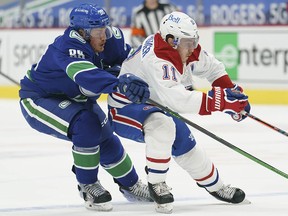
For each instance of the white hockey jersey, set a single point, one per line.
(161, 67)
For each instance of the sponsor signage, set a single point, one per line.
(253, 55)
(55, 13)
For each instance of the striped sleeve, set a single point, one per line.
(91, 78)
(77, 67)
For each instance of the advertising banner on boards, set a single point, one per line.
(253, 54)
(54, 13)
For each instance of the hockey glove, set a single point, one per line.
(228, 100)
(134, 88)
(239, 117)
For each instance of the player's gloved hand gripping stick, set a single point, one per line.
(134, 88)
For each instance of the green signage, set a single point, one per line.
(226, 51)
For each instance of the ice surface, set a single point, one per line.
(36, 179)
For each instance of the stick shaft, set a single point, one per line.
(10, 79)
(226, 143)
(265, 123)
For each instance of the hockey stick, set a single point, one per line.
(264, 123)
(228, 144)
(9, 78)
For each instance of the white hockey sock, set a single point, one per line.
(200, 168)
(159, 131)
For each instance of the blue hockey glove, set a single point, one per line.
(134, 88)
(228, 100)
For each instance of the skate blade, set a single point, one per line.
(245, 202)
(166, 208)
(136, 199)
(99, 206)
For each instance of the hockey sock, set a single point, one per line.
(200, 168)
(159, 131)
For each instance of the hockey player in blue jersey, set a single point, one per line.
(58, 97)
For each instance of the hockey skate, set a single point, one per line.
(137, 193)
(228, 194)
(96, 196)
(160, 193)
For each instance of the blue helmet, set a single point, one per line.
(88, 16)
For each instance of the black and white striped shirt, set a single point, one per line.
(146, 22)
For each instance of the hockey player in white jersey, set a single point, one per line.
(167, 61)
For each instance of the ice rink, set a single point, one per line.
(36, 179)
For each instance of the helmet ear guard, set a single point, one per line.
(169, 36)
(175, 40)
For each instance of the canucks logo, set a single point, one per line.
(75, 34)
(64, 104)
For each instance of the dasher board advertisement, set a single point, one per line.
(253, 55)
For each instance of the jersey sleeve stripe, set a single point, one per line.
(77, 67)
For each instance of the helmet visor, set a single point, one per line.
(189, 43)
(100, 32)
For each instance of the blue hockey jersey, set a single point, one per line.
(71, 68)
